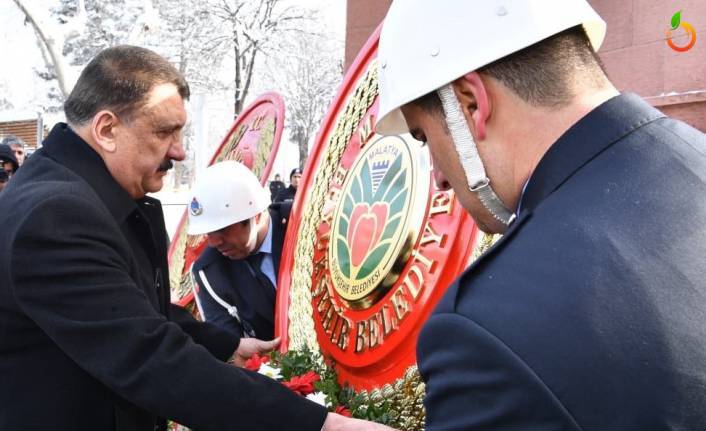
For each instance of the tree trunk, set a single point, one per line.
(301, 137)
(53, 44)
(238, 103)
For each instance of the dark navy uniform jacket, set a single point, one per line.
(285, 195)
(590, 313)
(236, 284)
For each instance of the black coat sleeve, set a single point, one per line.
(475, 382)
(70, 276)
(219, 342)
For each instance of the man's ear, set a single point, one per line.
(259, 219)
(473, 97)
(103, 130)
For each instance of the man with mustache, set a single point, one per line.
(237, 273)
(89, 339)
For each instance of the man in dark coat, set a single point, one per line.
(290, 192)
(237, 276)
(590, 313)
(276, 186)
(89, 339)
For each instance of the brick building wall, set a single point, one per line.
(635, 53)
(639, 60)
(362, 18)
(24, 129)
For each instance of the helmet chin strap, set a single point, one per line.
(252, 238)
(472, 164)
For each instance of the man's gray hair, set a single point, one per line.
(12, 140)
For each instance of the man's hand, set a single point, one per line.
(336, 422)
(250, 346)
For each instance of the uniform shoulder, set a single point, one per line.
(208, 256)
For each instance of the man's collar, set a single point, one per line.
(266, 246)
(69, 149)
(585, 140)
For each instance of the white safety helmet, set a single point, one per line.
(425, 46)
(225, 193)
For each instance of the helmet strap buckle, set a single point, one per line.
(471, 162)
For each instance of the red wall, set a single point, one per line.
(362, 18)
(635, 52)
(639, 60)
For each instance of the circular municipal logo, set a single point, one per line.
(371, 221)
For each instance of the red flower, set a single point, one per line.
(343, 411)
(255, 361)
(304, 384)
(365, 229)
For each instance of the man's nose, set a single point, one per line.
(176, 150)
(441, 182)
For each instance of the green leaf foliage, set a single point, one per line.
(297, 363)
(676, 20)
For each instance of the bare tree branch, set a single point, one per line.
(53, 43)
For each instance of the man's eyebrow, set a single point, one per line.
(170, 127)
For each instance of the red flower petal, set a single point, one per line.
(256, 361)
(343, 411)
(304, 384)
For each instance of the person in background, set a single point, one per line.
(8, 160)
(590, 312)
(276, 186)
(289, 193)
(90, 339)
(237, 274)
(18, 147)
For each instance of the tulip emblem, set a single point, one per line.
(371, 215)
